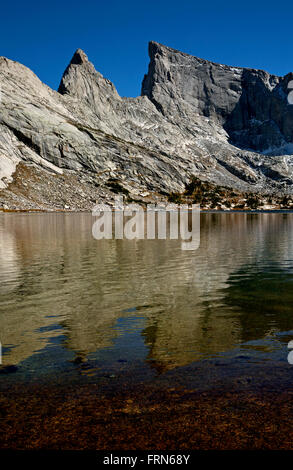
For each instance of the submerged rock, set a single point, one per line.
(8, 369)
(79, 360)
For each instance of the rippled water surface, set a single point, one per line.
(76, 308)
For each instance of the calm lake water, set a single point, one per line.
(76, 309)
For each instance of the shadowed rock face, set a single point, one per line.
(262, 118)
(194, 117)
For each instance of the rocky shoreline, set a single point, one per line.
(37, 190)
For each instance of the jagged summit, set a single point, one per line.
(79, 57)
(155, 47)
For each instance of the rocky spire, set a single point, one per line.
(79, 58)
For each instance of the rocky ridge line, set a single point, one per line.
(228, 126)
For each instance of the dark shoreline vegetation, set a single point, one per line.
(48, 197)
(211, 196)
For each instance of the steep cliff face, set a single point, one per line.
(183, 86)
(194, 117)
(251, 105)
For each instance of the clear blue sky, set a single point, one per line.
(115, 34)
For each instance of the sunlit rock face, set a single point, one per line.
(251, 105)
(182, 85)
(227, 125)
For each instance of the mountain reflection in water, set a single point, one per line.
(56, 280)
